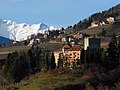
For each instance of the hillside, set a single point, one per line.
(49, 81)
(109, 28)
(32, 71)
(50, 46)
(100, 16)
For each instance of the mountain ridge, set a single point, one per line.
(20, 32)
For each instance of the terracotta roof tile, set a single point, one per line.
(66, 46)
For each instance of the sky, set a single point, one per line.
(61, 13)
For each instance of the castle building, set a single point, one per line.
(91, 43)
(93, 51)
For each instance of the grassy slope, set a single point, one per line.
(14, 48)
(49, 81)
(110, 29)
(50, 46)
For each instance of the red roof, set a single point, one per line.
(76, 48)
(71, 40)
(66, 46)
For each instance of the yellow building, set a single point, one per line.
(72, 54)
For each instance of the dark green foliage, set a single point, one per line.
(52, 61)
(71, 87)
(60, 60)
(46, 58)
(16, 66)
(106, 79)
(111, 59)
(62, 28)
(114, 39)
(119, 52)
(2, 62)
(19, 65)
(110, 66)
(113, 49)
(103, 33)
(9, 65)
(69, 27)
(82, 57)
(32, 59)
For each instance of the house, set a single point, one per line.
(72, 42)
(110, 20)
(78, 35)
(45, 36)
(95, 24)
(64, 39)
(102, 23)
(71, 54)
(67, 38)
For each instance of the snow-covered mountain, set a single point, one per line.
(20, 32)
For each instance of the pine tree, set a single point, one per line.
(47, 59)
(52, 61)
(119, 52)
(32, 59)
(8, 69)
(112, 50)
(60, 60)
(112, 60)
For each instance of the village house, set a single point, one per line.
(110, 20)
(64, 39)
(67, 38)
(78, 35)
(96, 24)
(72, 54)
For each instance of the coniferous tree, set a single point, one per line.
(32, 60)
(111, 60)
(112, 50)
(47, 59)
(52, 61)
(118, 51)
(21, 67)
(16, 66)
(8, 69)
(60, 60)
